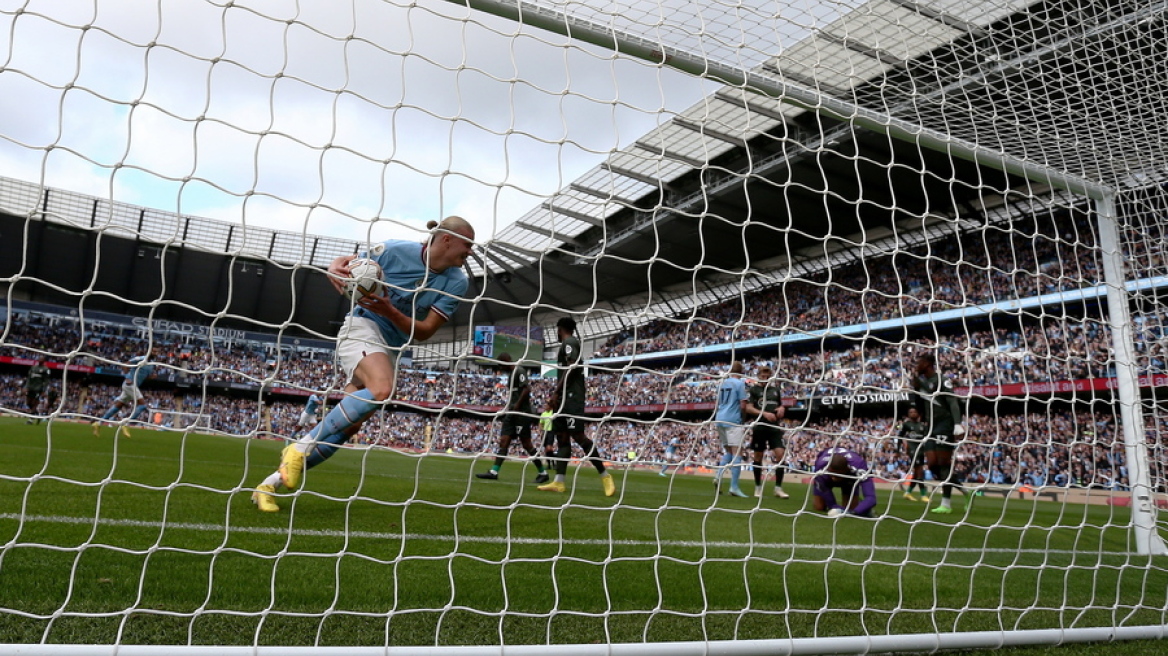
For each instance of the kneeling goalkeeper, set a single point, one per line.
(848, 471)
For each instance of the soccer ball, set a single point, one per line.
(364, 278)
(835, 512)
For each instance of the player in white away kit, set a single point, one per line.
(424, 284)
(311, 409)
(138, 370)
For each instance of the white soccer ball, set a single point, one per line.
(835, 512)
(364, 278)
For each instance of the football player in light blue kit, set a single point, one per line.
(311, 408)
(138, 369)
(732, 401)
(424, 283)
(670, 455)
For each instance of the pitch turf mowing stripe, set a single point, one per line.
(372, 535)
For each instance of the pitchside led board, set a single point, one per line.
(520, 342)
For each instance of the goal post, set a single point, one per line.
(1145, 534)
(924, 643)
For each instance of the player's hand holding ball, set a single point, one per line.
(364, 279)
(835, 512)
(338, 272)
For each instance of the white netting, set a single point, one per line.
(831, 190)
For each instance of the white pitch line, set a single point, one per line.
(483, 539)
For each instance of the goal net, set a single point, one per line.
(923, 236)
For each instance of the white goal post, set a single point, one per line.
(1146, 537)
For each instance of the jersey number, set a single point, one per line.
(725, 396)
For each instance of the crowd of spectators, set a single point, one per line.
(1054, 448)
(1031, 257)
(1058, 448)
(1052, 348)
(223, 385)
(1143, 233)
(63, 338)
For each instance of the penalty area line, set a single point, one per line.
(490, 539)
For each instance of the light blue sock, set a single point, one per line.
(735, 472)
(324, 448)
(139, 412)
(109, 414)
(726, 458)
(333, 431)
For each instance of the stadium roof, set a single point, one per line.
(742, 182)
(741, 179)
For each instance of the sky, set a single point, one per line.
(360, 119)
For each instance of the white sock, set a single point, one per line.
(274, 480)
(946, 502)
(560, 478)
(605, 474)
(305, 443)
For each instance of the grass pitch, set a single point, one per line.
(154, 540)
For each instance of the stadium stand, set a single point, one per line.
(253, 384)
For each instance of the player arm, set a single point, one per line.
(554, 401)
(524, 394)
(868, 490)
(751, 408)
(921, 402)
(338, 271)
(575, 355)
(822, 489)
(417, 330)
(754, 410)
(558, 393)
(954, 406)
(436, 315)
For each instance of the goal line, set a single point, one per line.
(390, 535)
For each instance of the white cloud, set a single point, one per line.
(30, 55)
(343, 114)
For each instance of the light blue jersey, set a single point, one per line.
(412, 287)
(731, 394)
(139, 370)
(313, 404)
